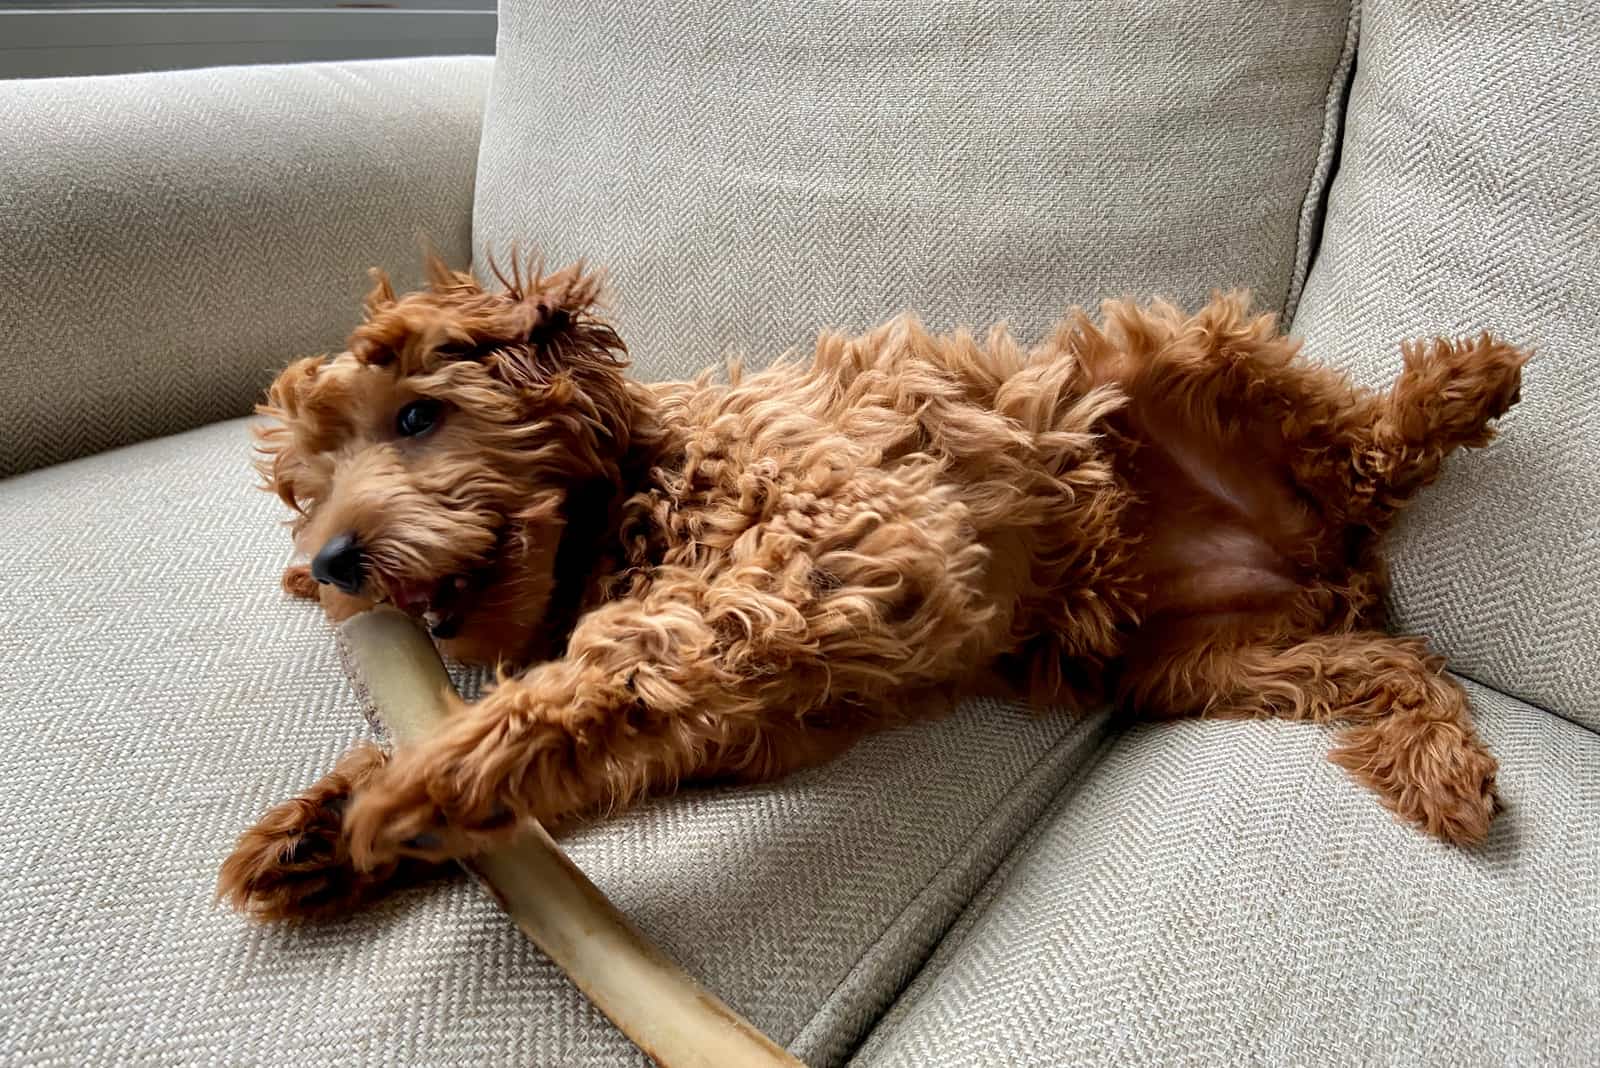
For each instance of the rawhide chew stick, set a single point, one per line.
(402, 684)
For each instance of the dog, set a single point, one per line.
(729, 579)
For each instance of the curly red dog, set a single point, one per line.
(705, 580)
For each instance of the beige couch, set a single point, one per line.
(996, 888)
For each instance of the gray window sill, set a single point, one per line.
(47, 39)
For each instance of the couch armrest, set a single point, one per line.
(167, 241)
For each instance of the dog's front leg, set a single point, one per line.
(646, 697)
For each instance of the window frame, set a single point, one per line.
(46, 38)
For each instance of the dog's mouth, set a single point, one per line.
(441, 604)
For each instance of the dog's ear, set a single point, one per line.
(278, 459)
(567, 363)
(539, 325)
(549, 327)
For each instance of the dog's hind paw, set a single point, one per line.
(1429, 772)
(1450, 391)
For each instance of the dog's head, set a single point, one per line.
(466, 440)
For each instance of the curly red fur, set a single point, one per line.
(705, 579)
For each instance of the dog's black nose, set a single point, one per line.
(339, 563)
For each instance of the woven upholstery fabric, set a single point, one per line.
(158, 692)
(1468, 198)
(1217, 893)
(750, 176)
(167, 241)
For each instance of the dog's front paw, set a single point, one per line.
(293, 863)
(1430, 773)
(389, 813)
(412, 810)
(297, 582)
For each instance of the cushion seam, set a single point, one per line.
(1030, 834)
(1509, 695)
(1067, 741)
(1313, 205)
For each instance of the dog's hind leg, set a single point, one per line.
(1232, 380)
(293, 864)
(1410, 736)
(1444, 399)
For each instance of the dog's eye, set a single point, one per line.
(418, 417)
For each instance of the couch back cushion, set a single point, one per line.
(750, 175)
(1468, 198)
(169, 241)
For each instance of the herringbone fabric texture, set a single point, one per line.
(168, 241)
(158, 692)
(1468, 197)
(1217, 893)
(751, 176)
(1209, 893)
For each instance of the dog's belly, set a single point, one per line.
(1224, 569)
(1222, 531)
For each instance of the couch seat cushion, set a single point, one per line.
(158, 692)
(1217, 893)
